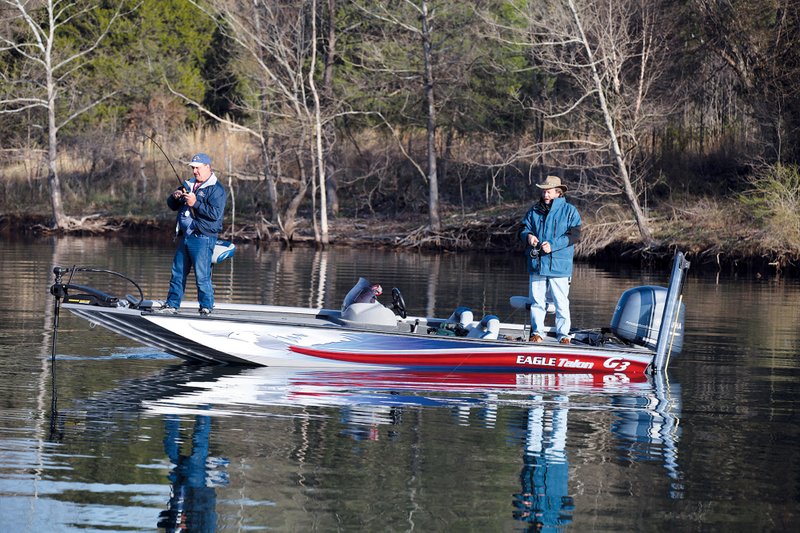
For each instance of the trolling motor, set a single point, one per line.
(84, 294)
(67, 292)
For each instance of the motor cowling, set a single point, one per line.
(639, 314)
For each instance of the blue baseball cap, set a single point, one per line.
(200, 159)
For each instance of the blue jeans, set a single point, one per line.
(193, 250)
(559, 289)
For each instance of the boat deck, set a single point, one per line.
(511, 333)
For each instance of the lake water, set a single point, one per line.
(115, 436)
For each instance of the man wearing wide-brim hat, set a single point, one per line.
(550, 230)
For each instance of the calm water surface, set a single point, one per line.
(115, 436)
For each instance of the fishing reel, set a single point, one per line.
(535, 251)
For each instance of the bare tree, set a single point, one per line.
(417, 18)
(278, 62)
(608, 57)
(317, 120)
(756, 42)
(327, 96)
(49, 76)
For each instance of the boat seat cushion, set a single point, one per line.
(487, 328)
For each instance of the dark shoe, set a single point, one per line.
(565, 340)
(536, 338)
(205, 311)
(166, 310)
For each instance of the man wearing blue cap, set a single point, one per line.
(200, 203)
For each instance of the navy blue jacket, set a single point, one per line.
(560, 226)
(208, 210)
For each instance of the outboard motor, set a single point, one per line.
(638, 316)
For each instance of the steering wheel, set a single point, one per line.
(398, 304)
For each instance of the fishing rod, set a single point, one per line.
(183, 184)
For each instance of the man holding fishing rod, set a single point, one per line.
(550, 230)
(200, 205)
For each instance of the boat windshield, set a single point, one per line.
(362, 292)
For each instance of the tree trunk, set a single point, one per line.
(59, 218)
(269, 177)
(433, 181)
(622, 167)
(143, 168)
(323, 201)
(264, 125)
(329, 130)
(290, 216)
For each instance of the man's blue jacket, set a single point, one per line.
(207, 212)
(560, 226)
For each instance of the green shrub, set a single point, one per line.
(773, 201)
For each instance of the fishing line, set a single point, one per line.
(177, 176)
(184, 185)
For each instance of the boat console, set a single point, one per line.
(368, 315)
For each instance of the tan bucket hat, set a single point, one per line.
(552, 182)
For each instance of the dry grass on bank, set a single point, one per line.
(105, 196)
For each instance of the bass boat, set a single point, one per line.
(646, 329)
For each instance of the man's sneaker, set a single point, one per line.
(166, 310)
(205, 311)
(565, 340)
(536, 338)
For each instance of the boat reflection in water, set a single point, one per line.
(646, 425)
(643, 419)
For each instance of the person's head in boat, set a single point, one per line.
(201, 167)
(552, 188)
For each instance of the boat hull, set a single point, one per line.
(299, 338)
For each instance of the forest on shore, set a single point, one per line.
(414, 123)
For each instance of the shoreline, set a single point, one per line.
(482, 235)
